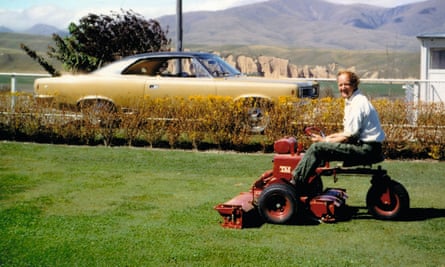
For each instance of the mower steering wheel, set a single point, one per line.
(309, 131)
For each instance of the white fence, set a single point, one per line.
(13, 78)
(426, 91)
(416, 91)
(13, 82)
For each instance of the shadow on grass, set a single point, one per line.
(413, 214)
(254, 220)
(421, 214)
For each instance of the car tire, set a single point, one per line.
(257, 114)
(98, 112)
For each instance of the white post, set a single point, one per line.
(13, 91)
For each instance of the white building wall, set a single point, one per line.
(432, 85)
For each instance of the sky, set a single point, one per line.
(22, 14)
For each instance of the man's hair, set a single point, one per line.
(353, 78)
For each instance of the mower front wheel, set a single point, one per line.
(387, 201)
(278, 204)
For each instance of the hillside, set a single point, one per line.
(303, 24)
(14, 59)
(310, 36)
(313, 24)
(370, 64)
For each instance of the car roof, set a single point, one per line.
(116, 66)
(172, 54)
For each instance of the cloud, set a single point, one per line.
(23, 19)
(60, 15)
(48, 14)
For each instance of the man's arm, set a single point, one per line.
(332, 138)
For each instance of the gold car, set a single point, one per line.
(122, 84)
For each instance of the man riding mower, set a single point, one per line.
(295, 185)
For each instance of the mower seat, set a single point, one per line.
(367, 162)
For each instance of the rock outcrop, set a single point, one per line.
(273, 67)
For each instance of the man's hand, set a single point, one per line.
(332, 138)
(317, 138)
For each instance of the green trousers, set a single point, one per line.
(322, 151)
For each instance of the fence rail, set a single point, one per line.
(13, 77)
(13, 82)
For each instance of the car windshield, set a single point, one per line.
(217, 67)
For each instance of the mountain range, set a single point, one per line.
(304, 23)
(314, 24)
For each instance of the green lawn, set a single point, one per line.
(98, 206)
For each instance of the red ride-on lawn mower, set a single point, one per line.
(273, 199)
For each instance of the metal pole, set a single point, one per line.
(13, 91)
(179, 25)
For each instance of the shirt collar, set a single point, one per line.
(356, 92)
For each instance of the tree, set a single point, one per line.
(40, 60)
(101, 39)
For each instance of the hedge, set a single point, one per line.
(214, 122)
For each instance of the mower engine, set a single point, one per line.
(273, 199)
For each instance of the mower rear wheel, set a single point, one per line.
(278, 204)
(387, 201)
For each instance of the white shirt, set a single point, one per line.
(361, 120)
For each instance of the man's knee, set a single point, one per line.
(320, 146)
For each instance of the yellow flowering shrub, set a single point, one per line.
(413, 131)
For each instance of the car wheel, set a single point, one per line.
(98, 112)
(258, 114)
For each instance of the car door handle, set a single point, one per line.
(153, 86)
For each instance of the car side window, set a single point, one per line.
(142, 67)
(213, 67)
(163, 68)
(168, 67)
(197, 69)
(183, 68)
